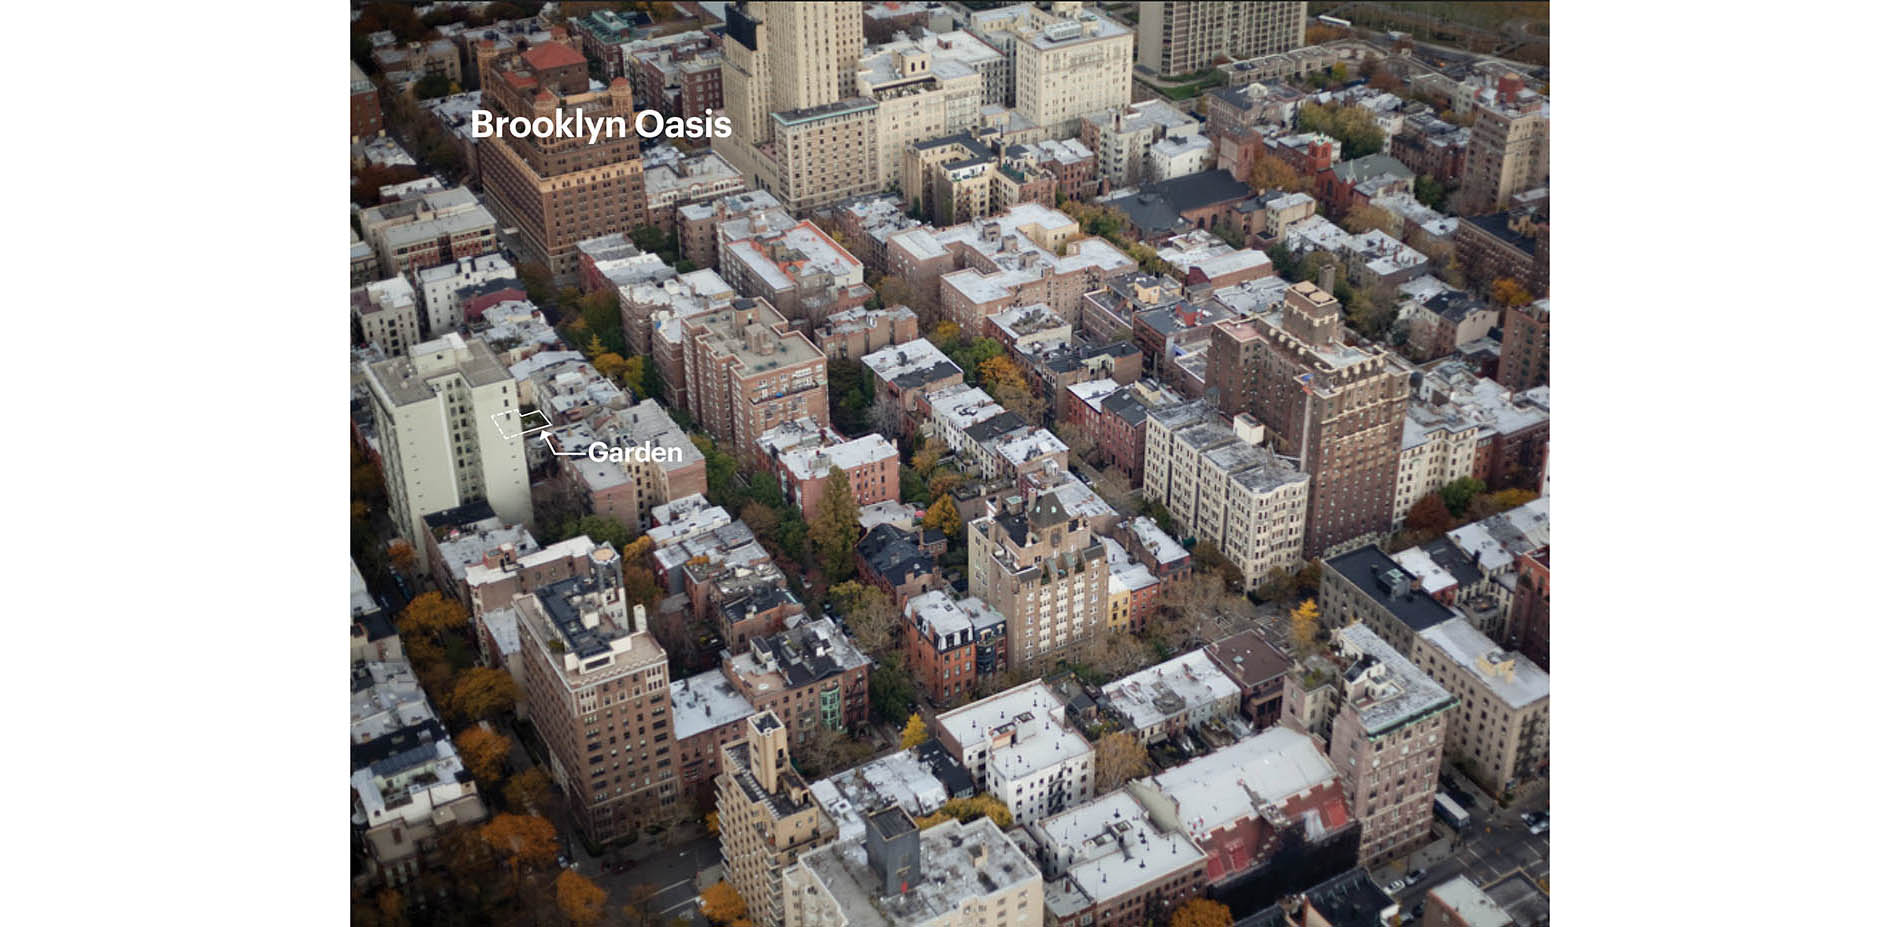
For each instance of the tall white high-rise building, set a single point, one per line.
(1070, 66)
(449, 433)
(1178, 38)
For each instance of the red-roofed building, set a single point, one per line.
(561, 190)
(550, 56)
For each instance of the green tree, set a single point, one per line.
(1459, 492)
(893, 692)
(537, 281)
(1426, 189)
(834, 533)
(634, 377)
(598, 528)
(1355, 127)
(433, 86)
(600, 310)
(911, 488)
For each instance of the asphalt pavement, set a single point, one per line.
(1496, 848)
(679, 872)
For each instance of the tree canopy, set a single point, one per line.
(721, 903)
(1119, 757)
(1303, 628)
(834, 533)
(942, 515)
(580, 899)
(1355, 127)
(484, 751)
(915, 731)
(1201, 912)
(483, 693)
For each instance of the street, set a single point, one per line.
(1496, 849)
(679, 872)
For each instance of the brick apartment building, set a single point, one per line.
(1338, 410)
(366, 110)
(1257, 667)
(951, 643)
(1387, 725)
(747, 372)
(870, 463)
(1530, 608)
(560, 191)
(596, 689)
(1524, 355)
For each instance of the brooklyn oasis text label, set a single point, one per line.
(573, 123)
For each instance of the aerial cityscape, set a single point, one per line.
(950, 464)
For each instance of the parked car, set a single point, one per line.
(1411, 878)
(1397, 886)
(1537, 821)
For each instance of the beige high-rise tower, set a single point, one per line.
(1510, 148)
(790, 81)
(767, 816)
(1045, 571)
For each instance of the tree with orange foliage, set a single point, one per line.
(1271, 173)
(1509, 293)
(1201, 912)
(580, 899)
(1004, 381)
(431, 613)
(483, 693)
(522, 839)
(402, 556)
(722, 904)
(483, 751)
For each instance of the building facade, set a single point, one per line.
(1019, 747)
(1501, 732)
(747, 372)
(1179, 38)
(767, 816)
(1221, 487)
(1337, 409)
(436, 412)
(597, 692)
(560, 191)
(1046, 572)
